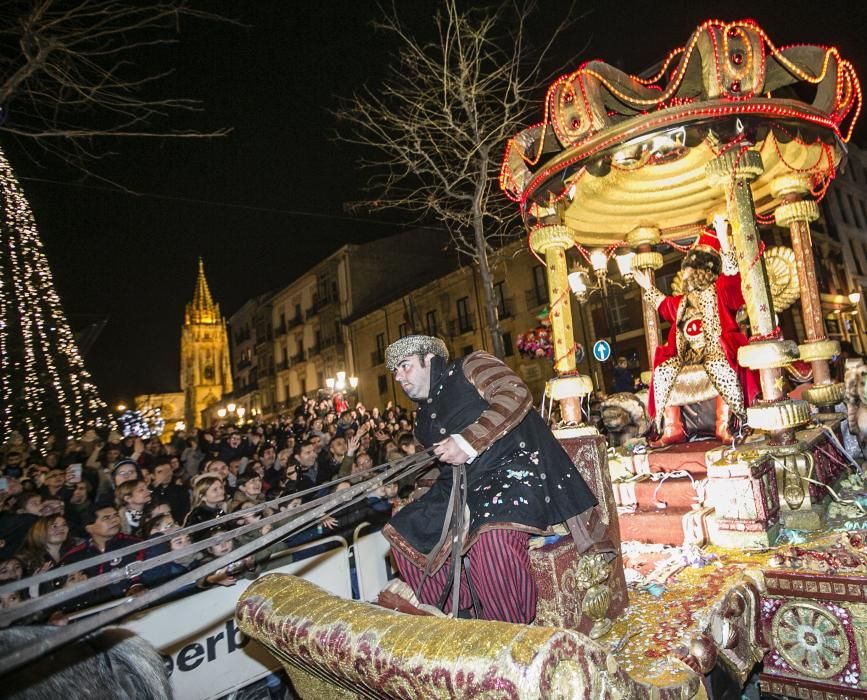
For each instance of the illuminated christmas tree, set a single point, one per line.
(44, 386)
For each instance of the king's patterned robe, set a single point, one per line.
(712, 312)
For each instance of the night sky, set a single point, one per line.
(264, 203)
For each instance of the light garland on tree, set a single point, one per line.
(45, 387)
(144, 424)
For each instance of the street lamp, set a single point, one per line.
(121, 407)
(221, 412)
(583, 287)
(340, 381)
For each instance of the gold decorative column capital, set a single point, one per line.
(553, 237)
(790, 184)
(745, 166)
(643, 235)
(801, 210)
(647, 261)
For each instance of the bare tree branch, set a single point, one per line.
(72, 71)
(434, 131)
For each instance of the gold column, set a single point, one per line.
(552, 242)
(641, 239)
(796, 212)
(775, 413)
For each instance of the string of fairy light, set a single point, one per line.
(45, 386)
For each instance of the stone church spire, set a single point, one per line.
(202, 308)
(205, 371)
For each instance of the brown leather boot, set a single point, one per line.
(673, 432)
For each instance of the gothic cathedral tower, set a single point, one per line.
(205, 370)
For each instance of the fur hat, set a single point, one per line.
(414, 345)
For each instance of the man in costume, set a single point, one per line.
(704, 330)
(512, 479)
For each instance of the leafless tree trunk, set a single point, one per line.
(436, 127)
(73, 70)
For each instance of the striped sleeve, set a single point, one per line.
(505, 391)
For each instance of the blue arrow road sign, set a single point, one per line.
(601, 350)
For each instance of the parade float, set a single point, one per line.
(765, 574)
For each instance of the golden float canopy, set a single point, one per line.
(617, 151)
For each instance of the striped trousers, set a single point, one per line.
(500, 570)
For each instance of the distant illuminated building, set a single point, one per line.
(205, 370)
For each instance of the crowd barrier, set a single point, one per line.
(208, 657)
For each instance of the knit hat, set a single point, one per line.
(414, 345)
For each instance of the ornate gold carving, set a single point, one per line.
(782, 276)
(819, 350)
(643, 235)
(825, 394)
(768, 354)
(810, 639)
(560, 388)
(546, 238)
(779, 415)
(592, 577)
(647, 261)
(746, 165)
(790, 183)
(803, 210)
(793, 490)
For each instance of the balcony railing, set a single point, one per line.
(280, 330)
(461, 325)
(295, 321)
(281, 366)
(244, 364)
(506, 309)
(333, 342)
(314, 351)
(318, 304)
(296, 358)
(535, 297)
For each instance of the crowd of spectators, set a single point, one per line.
(65, 504)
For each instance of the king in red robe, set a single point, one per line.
(704, 330)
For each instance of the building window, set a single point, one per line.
(382, 383)
(464, 322)
(380, 349)
(403, 330)
(855, 213)
(855, 257)
(503, 307)
(540, 285)
(844, 212)
(430, 321)
(619, 311)
(508, 347)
